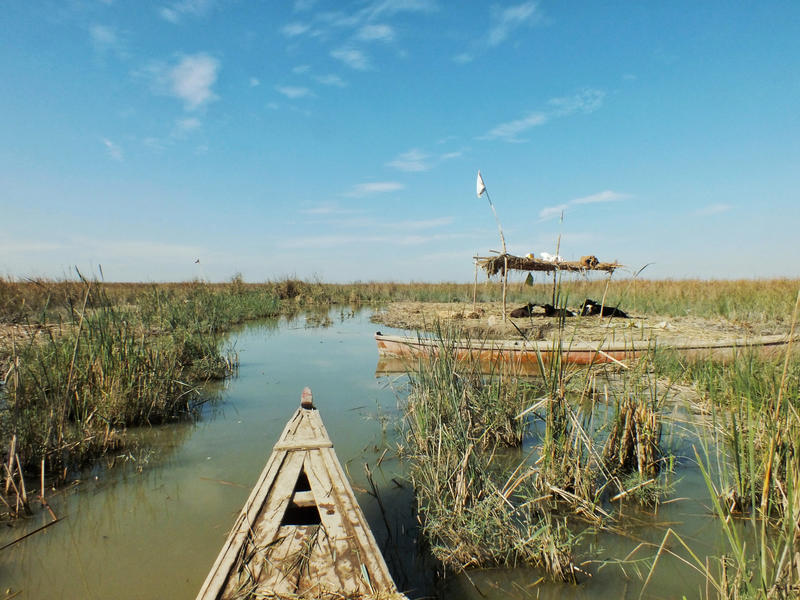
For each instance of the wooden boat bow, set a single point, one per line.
(301, 533)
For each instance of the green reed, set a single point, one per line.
(477, 503)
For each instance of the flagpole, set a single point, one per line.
(481, 189)
(499, 227)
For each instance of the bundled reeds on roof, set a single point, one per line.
(496, 264)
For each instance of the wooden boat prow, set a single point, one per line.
(301, 534)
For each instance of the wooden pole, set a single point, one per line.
(475, 287)
(505, 283)
(605, 293)
(558, 249)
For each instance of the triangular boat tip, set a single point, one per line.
(307, 398)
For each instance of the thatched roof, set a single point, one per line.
(496, 264)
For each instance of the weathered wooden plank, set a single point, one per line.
(370, 555)
(301, 532)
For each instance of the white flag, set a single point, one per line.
(479, 185)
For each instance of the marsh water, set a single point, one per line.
(152, 525)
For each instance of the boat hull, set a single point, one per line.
(527, 356)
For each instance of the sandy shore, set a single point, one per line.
(485, 320)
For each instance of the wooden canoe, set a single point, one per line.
(301, 533)
(525, 355)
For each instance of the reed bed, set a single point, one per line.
(476, 506)
(750, 460)
(752, 300)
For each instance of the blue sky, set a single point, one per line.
(341, 140)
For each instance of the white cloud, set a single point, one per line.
(333, 80)
(353, 58)
(712, 209)
(254, 82)
(413, 161)
(605, 196)
(586, 101)
(463, 58)
(295, 29)
(114, 151)
(510, 131)
(551, 211)
(416, 160)
(187, 125)
(169, 15)
(369, 189)
(176, 10)
(103, 37)
(504, 22)
(293, 92)
(372, 33)
(192, 78)
(391, 7)
(300, 69)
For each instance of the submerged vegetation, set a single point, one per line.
(593, 438)
(511, 472)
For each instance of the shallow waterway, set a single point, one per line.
(151, 526)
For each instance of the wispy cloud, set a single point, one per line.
(604, 196)
(114, 151)
(295, 29)
(254, 82)
(585, 101)
(509, 131)
(505, 21)
(104, 38)
(353, 29)
(377, 187)
(352, 57)
(332, 80)
(187, 125)
(415, 160)
(712, 209)
(190, 79)
(375, 33)
(175, 11)
(293, 92)
(550, 212)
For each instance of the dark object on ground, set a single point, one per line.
(524, 311)
(552, 311)
(591, 308)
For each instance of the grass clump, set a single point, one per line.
(73, 387)
(477, 504)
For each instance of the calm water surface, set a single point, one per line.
(152, 526)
